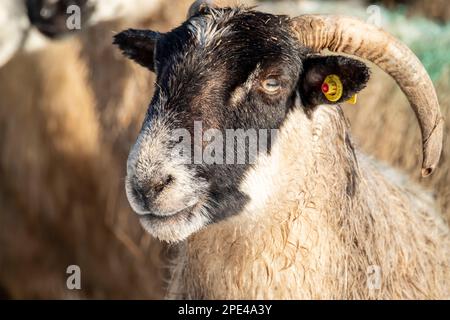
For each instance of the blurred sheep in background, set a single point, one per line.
(66, 121)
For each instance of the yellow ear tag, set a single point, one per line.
(332, 88)
(353, 99)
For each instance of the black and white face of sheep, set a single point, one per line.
(225, 69)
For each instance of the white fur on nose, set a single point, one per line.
(152, 156)
(150, 160)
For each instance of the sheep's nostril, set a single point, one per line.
(146, 193)
(138, 193)
(162, 184)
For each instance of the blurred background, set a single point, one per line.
(71, 107)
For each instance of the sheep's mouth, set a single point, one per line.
(178, 226)
(183, 214)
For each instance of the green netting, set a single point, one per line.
(429, 40)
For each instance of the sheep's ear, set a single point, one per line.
(138, 45)
(331, 79)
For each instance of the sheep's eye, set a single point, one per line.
(271, 85)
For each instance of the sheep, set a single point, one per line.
(30, 24)
(63, 137)
(314, 215)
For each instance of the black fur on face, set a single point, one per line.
(230, 69)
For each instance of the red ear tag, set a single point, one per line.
(325, 87)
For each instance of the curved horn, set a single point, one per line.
(199, 5)
(355, 37)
